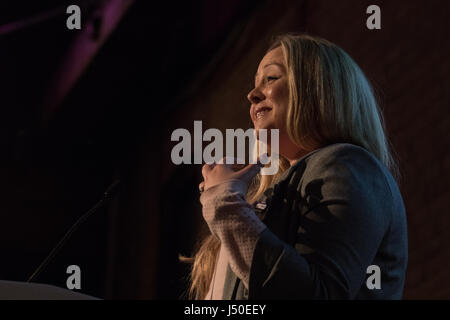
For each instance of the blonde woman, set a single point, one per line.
(333, 216)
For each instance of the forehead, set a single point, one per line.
(274, 55)
(272, 58)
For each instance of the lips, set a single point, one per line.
(260, 112)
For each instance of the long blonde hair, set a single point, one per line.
(330, 101)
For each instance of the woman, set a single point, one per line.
(334, 209)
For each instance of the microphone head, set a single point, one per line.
(112, 189)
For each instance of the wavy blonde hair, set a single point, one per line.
(330, 101)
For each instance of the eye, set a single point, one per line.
(271, 79)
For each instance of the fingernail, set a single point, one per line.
(264, 159)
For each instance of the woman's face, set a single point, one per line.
(269, 99)
(269, 102)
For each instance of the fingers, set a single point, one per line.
(201, 186)
(227, 169)
(226, 160)
(233, 163)
(230, 162)
(249, 172)
(207, 168)
(263, 159)
(237, 167)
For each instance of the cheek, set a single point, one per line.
(280, 97)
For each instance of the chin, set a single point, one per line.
(267, 127)
(264, 126)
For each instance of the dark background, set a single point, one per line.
(81, 108)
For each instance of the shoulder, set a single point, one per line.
(347, 172)
(345, 160)
(341, 153)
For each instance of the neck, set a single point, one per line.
(293, 154)
(290, 151)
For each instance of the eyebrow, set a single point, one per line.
(269, 64)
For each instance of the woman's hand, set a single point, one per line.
(214, 174)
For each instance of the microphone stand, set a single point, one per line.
(107, 196)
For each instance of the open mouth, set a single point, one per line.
(261, 112)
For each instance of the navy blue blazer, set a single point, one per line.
(333, 214)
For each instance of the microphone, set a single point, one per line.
(107, 196)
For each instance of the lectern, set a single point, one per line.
(14, 290)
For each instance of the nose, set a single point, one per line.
(255, 96)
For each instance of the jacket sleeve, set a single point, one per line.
(231, 219)
(345, 211)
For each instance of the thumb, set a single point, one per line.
(248, 172)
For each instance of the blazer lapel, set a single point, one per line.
(262, 210)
